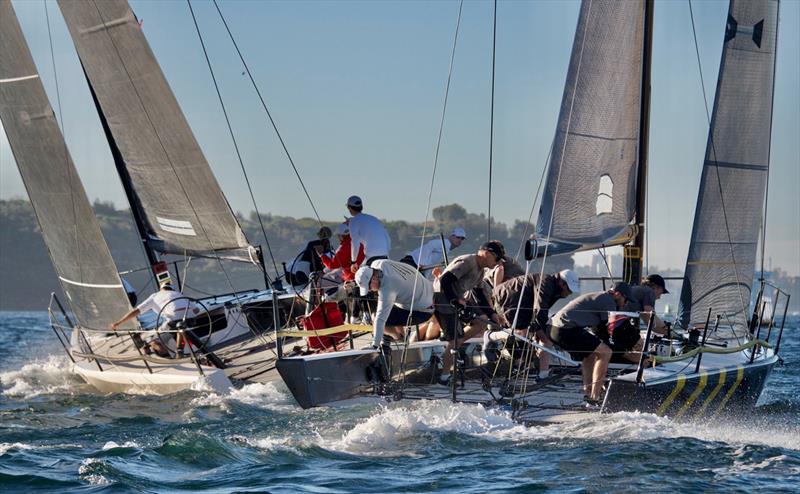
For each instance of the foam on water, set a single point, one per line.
(90, 471)
(262, 395)
(5, 447)
(48, 376)
(113, 445)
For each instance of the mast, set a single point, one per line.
(634, 253)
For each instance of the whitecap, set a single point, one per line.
(262, 395)
(5, 447)
(48, 376)
(87, 471)
(114, 445)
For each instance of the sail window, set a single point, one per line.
(605, 195)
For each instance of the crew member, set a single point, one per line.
(431, 255)
(341, 258)
(552, 288)
(571, 331)
(172, 306)
(367, 231)
(463, 277)
(405, 297)
(643, 299)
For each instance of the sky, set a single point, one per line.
(357, 87)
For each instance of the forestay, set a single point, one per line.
(167, 177)
(590, 193)
(71, 232)
(730, 204)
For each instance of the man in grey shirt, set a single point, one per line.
(463, 277)
(643, 299)
(570, 331)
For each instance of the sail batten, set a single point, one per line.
(168, 180)
(729, 213)
(590, 192)
(70, 230)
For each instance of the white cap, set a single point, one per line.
(363, 276)
(572, 280)
(343, 229)
(459, 232)
(355, 202)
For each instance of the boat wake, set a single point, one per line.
(48, 376)
(267, 396)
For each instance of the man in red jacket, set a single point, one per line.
(341, 259)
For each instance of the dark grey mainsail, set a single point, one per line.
(168, 180)
(590, 193)
(730, 204)
(71, 232)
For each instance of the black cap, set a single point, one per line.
(496, 248)
(657, 280)
(623, 288)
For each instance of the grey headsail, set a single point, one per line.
(71, 232)
(589, 196)
(167, 178)
(730, 204)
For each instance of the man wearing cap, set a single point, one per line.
(643, 299)
(463, 277)
(571, 331)
(552, 288)
(405, 297)
(341, 259)
(431, 255)
(367, 231)
(171, 305)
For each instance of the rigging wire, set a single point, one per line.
(769, 148)
(235, 146)
(78, 250)
(533, 204)
(716, 166)
(436, 152)
(269, 114)
(491, 125)
(560, 168)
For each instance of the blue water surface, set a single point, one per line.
(59, 435)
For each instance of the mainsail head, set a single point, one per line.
(728, 217)
(71, 232)
(168, 180)
(590, 194)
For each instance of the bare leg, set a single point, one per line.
(396, 332)
(587, 367)
(544, 357)
(475, 329)
(603, 354)
(430, 331)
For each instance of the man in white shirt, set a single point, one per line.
(172, 305)
(405, 297)
(368, 231)
(431, 255)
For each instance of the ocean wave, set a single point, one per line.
(91, 470)
(6, 447)
(261, 395)
(49, 376)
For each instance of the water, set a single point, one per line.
(58, 435)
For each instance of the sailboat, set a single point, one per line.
(594, 197)
(178, 208)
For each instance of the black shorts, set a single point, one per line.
(399, 317)
(447, 316)
(579, 342)
(410, 261)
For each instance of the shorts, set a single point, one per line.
(579, 342)
(447, 316)
(400, 317)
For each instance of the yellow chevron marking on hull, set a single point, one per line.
(671, 397)
(723, 374)
(693, 397)
(739, 376)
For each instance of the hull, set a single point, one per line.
(163, 379)
(726, 390)
(323, 379)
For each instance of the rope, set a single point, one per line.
(491, 126)
(269, 114)
(436, 153)
(235, 145)
(716, 166)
